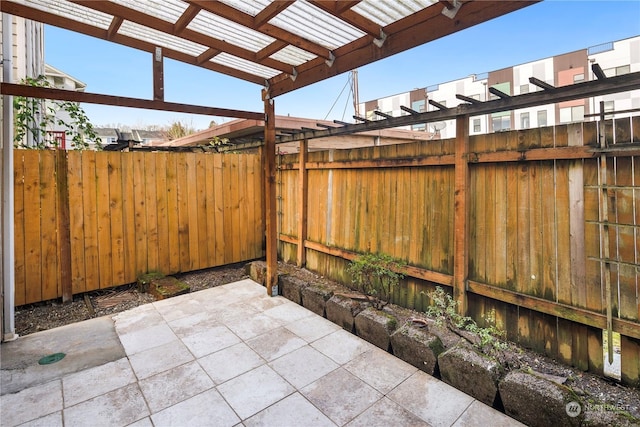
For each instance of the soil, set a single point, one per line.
(42, 316)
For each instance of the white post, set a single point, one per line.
(8, 258)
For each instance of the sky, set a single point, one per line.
(542, 30)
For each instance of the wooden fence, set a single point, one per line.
(88, 220)
(536, 230)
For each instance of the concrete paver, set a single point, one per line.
(227, 356)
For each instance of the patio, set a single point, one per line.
(230, 355)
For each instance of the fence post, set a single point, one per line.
(461, 214)
(64, 230)
(270, 194)
(302, 202)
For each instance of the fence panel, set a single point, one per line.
(535, 261)
(132, 213)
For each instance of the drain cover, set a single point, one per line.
(52, 358)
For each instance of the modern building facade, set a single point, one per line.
(615, 58)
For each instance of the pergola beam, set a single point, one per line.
(437, 105)
(409, 110)
(121, 101)
(541, 84)
(468, 99)
(349, 16)
(187, 16)
(597, 71)
(269, 12)
(499, 93)
(617, 84)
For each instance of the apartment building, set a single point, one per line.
(615, 58)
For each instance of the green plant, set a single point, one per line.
(376, 276)
(444, 312)
(34, 117)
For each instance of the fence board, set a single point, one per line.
(210, 207)
(128, 218)
(201, 203)
(220, 184)
(242, 205)
(116, 218)
(630, 360)
(536, 238)
(548, 276)
(151, 212)
(76, 228)
(140, 214)
(48, 227)
(19, 221)
(33, 250)
(173, 218)
(162, 214)
(103, 212)
(228, 209)
(183, 212)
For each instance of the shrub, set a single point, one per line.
(376, 276)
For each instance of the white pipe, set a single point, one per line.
(8, 258)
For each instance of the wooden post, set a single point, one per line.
(461, 214)
(302, 200)
(64, 221)
(158, 75)
(271, 214)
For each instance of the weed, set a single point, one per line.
(445, 313)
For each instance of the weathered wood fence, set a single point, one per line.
(88, 220)
(536, 229)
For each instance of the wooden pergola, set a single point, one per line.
(279, 45)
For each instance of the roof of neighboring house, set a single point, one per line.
(150, 134)
(50, 71)
(106, 132)
(246, 131)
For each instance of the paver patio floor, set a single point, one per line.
(226, 356)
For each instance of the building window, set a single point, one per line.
(609, 107)
(524, 89)
(542, 118)
(524, 121)
(572, 114)
(501, 123)
(58, 81)
(617, 71)
(577, 113)
(625, 69)
(419, 127)
(476, 125)
(578, 78)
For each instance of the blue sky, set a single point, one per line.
(545, 29)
